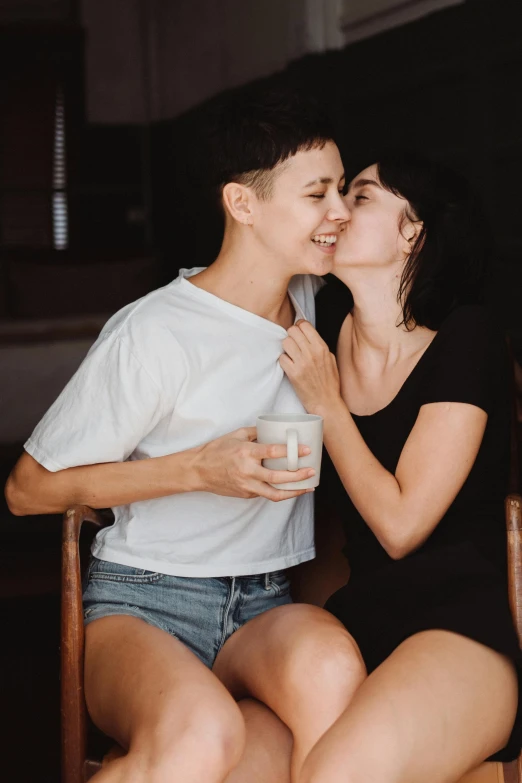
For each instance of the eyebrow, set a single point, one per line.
(360, 183)
(323, 181)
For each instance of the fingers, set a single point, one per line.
(276, 495)
(276, 450)
(283, 476)
(245, 433)
(298, 335)
(304, 348)
(287, 364)
(310, 335)
(291, 349)
(308, 331)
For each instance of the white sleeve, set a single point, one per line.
(105, 410)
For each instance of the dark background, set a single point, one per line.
(447, 84)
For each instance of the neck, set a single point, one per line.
(245, 277)
(377, 329)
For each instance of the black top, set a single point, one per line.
(466, 362)
(457, 580)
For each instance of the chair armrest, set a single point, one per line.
(74, 518)
(513, 509)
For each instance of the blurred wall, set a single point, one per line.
(114, 61)
(187, 51)
(362, 18)
(154, 59)
(37, 11)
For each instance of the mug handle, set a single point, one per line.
(292, 454)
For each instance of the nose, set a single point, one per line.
(339, 211)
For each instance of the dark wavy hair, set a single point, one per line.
(449, 262)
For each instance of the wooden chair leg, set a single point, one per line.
(494, 772)
(511, 770)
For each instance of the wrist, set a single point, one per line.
(185, 471)
(330, 407)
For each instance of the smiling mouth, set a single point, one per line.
(325, 240)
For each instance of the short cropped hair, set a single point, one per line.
(254, 130)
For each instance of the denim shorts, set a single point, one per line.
(201, 613)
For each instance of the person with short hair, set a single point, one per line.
(157, 423)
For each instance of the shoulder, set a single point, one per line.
(147, 329)
(468, 318)
(468, 360)
(472, 330)
(146, 318)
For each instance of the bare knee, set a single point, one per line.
(323, 659)
(204, 743)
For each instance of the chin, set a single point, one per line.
(318, 267)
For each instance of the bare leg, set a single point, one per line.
(436, 708)
(151, 694)
(299, 661)
(268, 750)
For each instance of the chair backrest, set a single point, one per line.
(513, 508)
(514, 472)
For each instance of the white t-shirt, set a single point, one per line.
(171, 371)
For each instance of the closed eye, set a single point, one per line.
(341, 191)
(361, 198)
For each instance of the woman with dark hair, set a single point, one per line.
(412, 382)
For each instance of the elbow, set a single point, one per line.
(399, 544)
(403, 530)
(397, 550)
(15, 498)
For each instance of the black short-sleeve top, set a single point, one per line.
(466, 362)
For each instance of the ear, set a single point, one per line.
(238, 201)
(410, 231)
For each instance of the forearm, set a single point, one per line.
(373, 490)
(31, 489)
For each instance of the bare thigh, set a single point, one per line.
(150, 693)
(441, 703)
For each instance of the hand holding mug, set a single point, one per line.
(293, 430)
(232, 466)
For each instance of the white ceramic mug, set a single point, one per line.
(293, 429)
